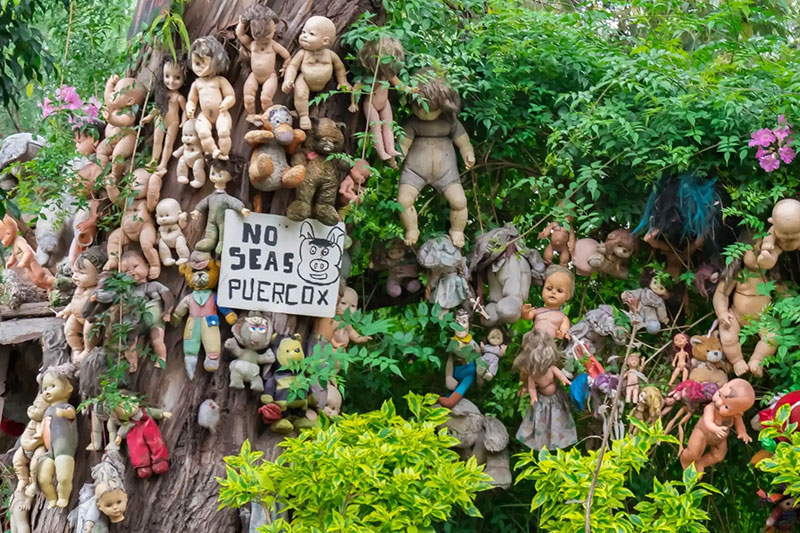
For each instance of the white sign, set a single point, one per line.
(271, 263)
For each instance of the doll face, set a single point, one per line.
(189, 134)
(462, 319)
(622, 251)
(348, 300)
(556, 290)
(85, 144)
(495, 337)
(633, 361)
(113, 504)
(681, 341)
(167, 214)
(730, 401)
(7, 234)
(135, 266)
(85, 274)
(173, 76)
(657, 287)
(55, 389)
(37, 408)
(396, 250)
(201, 65)
(123, 94)
(217, 176)
(315, 35)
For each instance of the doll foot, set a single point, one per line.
(392, 162)
(488, 377)
(196, 184)
(411, 237)
(144, 472)
(30, 491)
(413, 285)
(211, 363)
(92, 447)
(205, 245)
(450, 401)
(182, 260)
(394, 289)
(62, 503)
(756, 369)
(160, 467)
(51, 505)
(190, 363)
(305, 123)
(458, 238)
(183, 180)
(741, 368)
(168, 262)
(282, 426)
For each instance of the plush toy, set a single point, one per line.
(400, 262)
(170, 111)
(250, 345)
(784, 514)
(284, 415)
(317, 192)
(124, 98)
(202, 326)
(708, 363)
(22, 255)
(171, 221)
(561, 240)
(646, 305)
(460, 371)
(216, 204)
(63, 286)
(592, 331)
(191, 156)
(136, 424)
(208, 415)
(610, 257)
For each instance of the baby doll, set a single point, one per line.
(783, 235)
(562, 241)
(429, 136)
(123, 98)
(216, 204)
(103, 501)
(632, 377)
(31, 448)
(191, 156)
(351, 188)
(647, 305)
(491, 353)
(256, 30)
(548, 421)
(681, 352)
(313, 65)
(84, 224)
(725, 410)
(171, 221)
(693, 395)
(170, 113)
(22, 255)
(559, 284)
(459, 373)
(214, 94)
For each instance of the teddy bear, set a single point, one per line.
(250, 345)
(321, 183)
(708, 361)
(284, 415)
(269, 169)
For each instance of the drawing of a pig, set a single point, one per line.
(320, 258)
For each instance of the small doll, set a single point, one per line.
(725, 410)
(561, 241)
(282, 414)
(312, 66)
(123, 98)
(647, 305)
(252, 336)
(60, 433)
(103, 501)
(459, 372)
(22, 255)
(783, 235)
(447, 272)
(170, 112)
(216, 204)
(256, 32)
(191, 156)
(213, 94)
(131, 421)
(548, 422)
(632, 377)
(693, 395)
(171, 221)
(85, 276)
(594, 329)
(84, 225)
(351, 188)
(610, 257)
(382, 58)
(559, 285)
(430, 136)
(648, 407)
(202, 326)
(31, 448)
(681, 352)
(491, 353)
(400, 262)
(783, 516)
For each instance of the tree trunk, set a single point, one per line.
(185, 498)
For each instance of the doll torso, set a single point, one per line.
(60, 434)
(262, 60)
(80, 298)
(548, 320)
(379, 98)
(170, 233)
(546, 383)
(134, 219)
(317, 68)
(210, 96)
(174, 108)
(747, 302)
(432, 155)
(218, 202)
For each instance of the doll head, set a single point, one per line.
(462, 319)
(261, 22)
(172, 73)
(168, 212)
(606, 383)
(654, 282)
(318, 33)
(680, 342)
(200, 272)
(537, 354)
(785, 222)
(559, 284)
(189, 135)
(651, 401)
(734, 398)
(8, 231)
(633, 361)
(373, 54)
(348, 300)
(56, 383)
(438, 96)
(88, 265)
(396, 250)
(112, 502)
(621, 243)
(360, 171)
(134, 265)
(87, 137)
(128, 92)
(208, 58)
(495, 336)
(37, 408)
(220, 173)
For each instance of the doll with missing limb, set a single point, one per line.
(31, 448)
(105, 500)
(429, 140)
(215, 204)
(725, 411)
(85, 276)
(22, 255)
(123, 98)
(256, 32)
(213, 94)
(313, 65)
(681, 352)
(548, 423)
(459, 373)
(783, 235)
(171, 220)
(86, 138)
(191, 157)
(170, 112)
(559, 285)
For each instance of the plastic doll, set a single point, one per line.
(610, 257)
(216, 204)
(400, 262)
(559, 284)
(681, 352)
(647, 305)
(429, 136)
(213, 94)
(459, 373)
(137, 425)
(725, 410)
(31, 448)
(373, 56)
(61, 435)
(648, 407)
(170, 113)
(632, 377)
(171, 221)
(256, 32)
(84, 224)
(491, 353)
(191, 156)
(123, 98)
(85, 276)
(352, 187)
(548, 421)
(561, 241)
(694, 395)
(105, 500)
(19, 510)
(313, 65)
(783, 235)
(22, 255)
(252, 336)
(447, 272)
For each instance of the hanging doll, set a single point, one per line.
(447, 272)
(632, 377)
(693, 395)
(171, 220)
(548, 421)
(400, 262)
(22, 255)
(191, 156)
(610, 257)
(491, 351)
(783, 235)
(681, 354)
(282, 414)
(87, 138)
(561, 240)
(429, 137)
(124, 98)
(31, 448)
(216, 204)
(170, 111)
(646, 305)
(459, 371)
(592, 331)
(214, 95)
(352, 187)
(604, 395)
(559, 285)
(784, 514)
(648, 407)
(104, 501)
(252, 336)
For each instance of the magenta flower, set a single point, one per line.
(763, 137)
(769, 162)
(787, 154)
(47, 109)
(70, 97)
(782, 120)
(92, 108)
(781, 133)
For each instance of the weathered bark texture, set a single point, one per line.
(184, 500)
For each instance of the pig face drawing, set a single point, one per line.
(320, 258)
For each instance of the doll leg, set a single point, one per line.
(183, 171)
(209, 333)
(159, 456)
(191, 345)
(20, 463)
(375, 129)
(90, 339)
(132, 357)
(694, 450)
(564, 257)
(121, 155)
(103, 152)
(716, 454)
(547, 255)
(300, 209)
(65, 468)
(160, 349)
(147, 240)
(116, 241)
(198, 173)
(224, 124)
(387, 123)
(729, 337)
(671, 423)
(138, 452)
(250, 90)
(301, 93)
(458, 212)
(182, 249)
(204, 131)
(675, 376)
(96, 437)
(47, 469)
(165, 253)
(764, 349)
(406, 196)
(268, 91)
(169, 144)
(73, 331)
(158, 141)
(154, 183)
(209, 240)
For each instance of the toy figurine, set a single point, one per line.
(632, 377)
(269, 169)
(60, 434)
(19, 510)
(311, 67)
(250, 345)
(401, 263)
(284, 415)
(213, 94)
(592, 331)
(103, 501)
(170, 112)
(783, 235)
(216, 204)
(208, 415)
(447, 272)
(383, 58)
(561, 240)
(256, 32)
(22, 255)
(171, 221)
(352, 187)
(725, 410)
(317, 192)
(123, 98)
(501, 259)
(202, 326)
(137, 223)
(491, 353)
(648, 407)
(548, 422)
(31, 448)
(559, 285)
(459, 372)
(647, 305)
(85, 275)
(681, 352)
(610, 257)
(137, 425)
(429, 137)
(708, 362)
(191, 156)
(84, 224)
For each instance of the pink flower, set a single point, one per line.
(782, 120)
(763, 137)
(769, 162)
(47, 109)
(787, 154)
(761, 153)
(70, 97)
(781, 133)
(92, 110)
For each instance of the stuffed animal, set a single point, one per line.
(708, 361)
(250, 345)
(284, 415)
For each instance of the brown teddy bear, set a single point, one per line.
(708, 361)
(322, 175)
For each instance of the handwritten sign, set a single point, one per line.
(271, 263)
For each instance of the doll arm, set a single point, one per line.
(560, 376)
(158, 414)
(66, 412)
(161, 291)
(108, 93)
(241, 34)
(661, 312)
(123, 431)
(122, 118)
(449, 381)
(265, 358)
(398, 84)
(532, 390)
(232, 345)
(768, 252)
(339, 71)
(283, 52)
(708, 420)
(179, 151)
(721, 301)
(227, 91)
(182, 105)
(150, 116)
(180, 310)
(563, 328)
(741, 430)
(228, 313)
(356, 90)
(572, 239)
(357, 337)
(191, 101)
(546, 231)
(291, 71)
(465, 147)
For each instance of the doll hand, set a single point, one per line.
(534, 399)
(726, 319)
(353, 107)
(719, 431)
(166, 317)
(744, 437)
(166, 415)
(189, 109)
(469, 159)
(287, 86)
(196, 215)
(118, 441)
(112, 80)
(451, 383)
(147, 119)
(245, 212)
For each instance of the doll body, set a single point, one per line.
(171, 221)
(85, 276)
(351, 188)
(447, 277)
(610, 257)
(491, 351)
(783, 235)
(84, 223)
(632, 377)
(401, 264)
(123, 98)
(31, 448)
(146, 447)
(250, 345)
(22, 255)
(60, 434)
(550, 320)
(191, 158)
(460, 373)
(170, 116)
(561, 241)
(215, 204)
(680, 361)
(647, 306)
